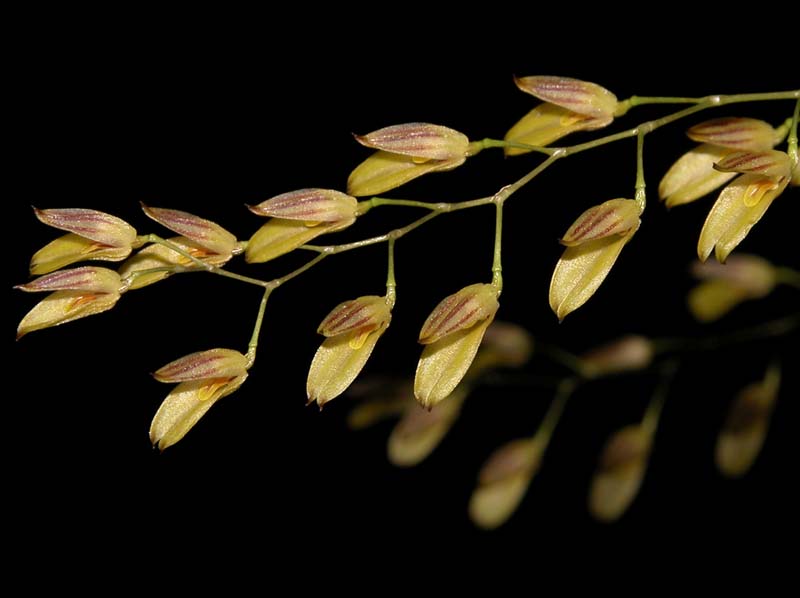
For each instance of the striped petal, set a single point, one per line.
(100, 227)
(205, 233)
(89, 279)
(573, 94)
(459, 311)
(612, 217)
(735, 133)
(214, 363)
(418, 140)
(364, 314)
(309, 205)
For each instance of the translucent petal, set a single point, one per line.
(692, 176)
(278, 237)
(581, 270)
(183, 408)
(445, 362)
(65, 306)
(739, 206)
(336, 364)
(70, 249)
(547, 123)
(384, 171)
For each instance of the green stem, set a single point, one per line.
(653, 412)
(276, 282)
(641, 196)
(486, 143)
(497, 261)
(792, 141)
(367, 205)
(204, 265)
(554, 412)
(253, 344)
(562, 357)
(391, 284)
(769, 329)
(787, 276)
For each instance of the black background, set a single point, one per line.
(206, 116)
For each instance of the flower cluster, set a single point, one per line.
(461, 341)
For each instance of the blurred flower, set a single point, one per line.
(406, 152)
(352, 328)
(203, 378)
(452, 335)
(742, 435)
(739, 206)
(570, 105)
(420, 431)
(298, 217)
(620, 472)
(504, 480)
(625, 354)
(724, 286)
(92, 235)
(597, 238)
(79, 292)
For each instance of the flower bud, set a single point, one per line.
(575, 95)
(418, 140)
(581, 270)
(692, 176)
(736, 133)
(310, 206)
(612, 217)
(459, 311)
(769, 163)
(626, 354)
(205, 233)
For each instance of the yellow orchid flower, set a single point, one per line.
(203, 378)
(452, 335)
(352, 329)
(570, 105)
(93, 235)
(296, 218)
(595, 241)
(79, 292)
(738, 208)
(406, 152)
